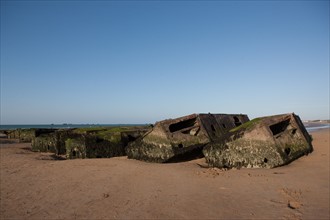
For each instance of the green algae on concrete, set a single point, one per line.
(246, 125)
(52, 140)
(175, 138)
(44, 143)
(83, 142)
(26, 135)
(23, 135)
(75, 148)
(103, 142)
(243, 153)
(265, 142)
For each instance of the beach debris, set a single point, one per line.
(23, 135)
(3, 134)
(177, 138)
(106, 195)
(225, 140)
(262, 142)
(294, 204)
(52, 140)
(99, 142)
(102, 142)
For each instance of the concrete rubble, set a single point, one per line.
(86, 142)
(265, 142)
(102, 143)
(52, 140)
(173, 138)
(23, 135)
(225, 140)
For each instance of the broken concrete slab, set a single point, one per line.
(51, 140)
(75, 148)
(86, 142)
(262, 142)
(44, 143)
(23, 135)
(13, 134)
(173, 137)
(102, 142)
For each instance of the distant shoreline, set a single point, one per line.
(317, 128)
(63, 126)
(310, 126)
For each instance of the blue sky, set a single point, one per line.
(145, 61)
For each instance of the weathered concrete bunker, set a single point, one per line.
(174, 137)
(225, 140)
(102, 143)
(263, 142)
(52, 140)
(99, 142)
(23, 135)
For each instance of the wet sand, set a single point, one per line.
(36, 186)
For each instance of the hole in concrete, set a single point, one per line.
(182, 125)
(265, 160)
(99, 140)
(180, 145)
(213, 128)
(237, 122)
(287, 150)
(192, 132)
(131, 138)
(279, 127)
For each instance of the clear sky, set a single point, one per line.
(145, 61)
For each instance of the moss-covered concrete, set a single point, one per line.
(23, 135)
(181, 136)
(102, 142)
(44, 143)
(243, 153)
(26, 135)
(14, 134)
(245, 126)
(155, 148)
(81, 142)
(75, 148)
(52, 140)
(141, 150)
(261, 143)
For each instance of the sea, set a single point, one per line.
(63, 126)
(310, 127)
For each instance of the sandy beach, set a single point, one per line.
(37, 186)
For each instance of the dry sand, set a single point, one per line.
(34, 186)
